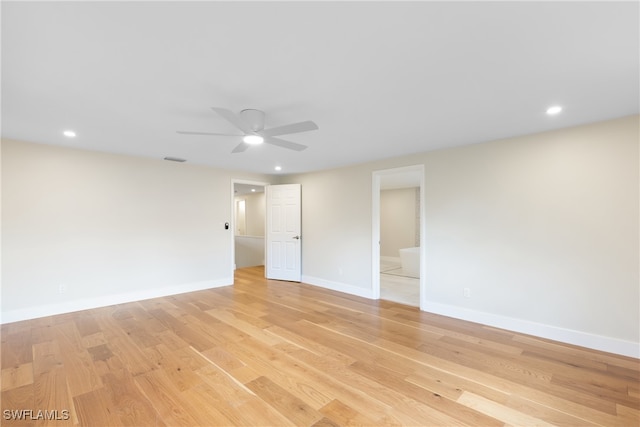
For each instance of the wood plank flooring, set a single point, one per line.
(268, 353)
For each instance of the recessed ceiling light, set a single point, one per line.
(253, 190)
(278, 168)
(69, 133)
(253, 139)
(554, 110)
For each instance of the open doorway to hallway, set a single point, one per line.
(248, 222)
(398, 229)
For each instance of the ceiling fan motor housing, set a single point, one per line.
(254, 118)
(251, 123)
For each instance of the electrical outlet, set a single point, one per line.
(62, 289)
(466, 292)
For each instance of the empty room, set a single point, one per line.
(320, 213)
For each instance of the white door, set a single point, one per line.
(283, 232)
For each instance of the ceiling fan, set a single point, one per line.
(251, 123)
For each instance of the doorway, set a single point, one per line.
(398, 255)
(248, 224)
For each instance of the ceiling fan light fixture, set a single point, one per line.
(552, 111)
(253, 139)
(251, 123)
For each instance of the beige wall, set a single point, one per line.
(336, 227)
(398, 222)
(107, 227)
(255, 214)
(543, 229)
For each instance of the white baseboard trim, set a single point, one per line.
(583, 339)
(106, 300)
(337, 286)
(569, 336)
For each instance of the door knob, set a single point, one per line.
(296, 237)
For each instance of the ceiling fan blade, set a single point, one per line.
(240, 147)
(183, 132)
(292, 128)
(233, 119)
(285, 144)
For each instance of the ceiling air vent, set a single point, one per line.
(175, 159)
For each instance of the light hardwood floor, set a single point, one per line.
(267, 353)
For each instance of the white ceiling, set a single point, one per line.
(242, 189)
(381, 79)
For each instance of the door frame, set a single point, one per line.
(232, 222)
(375, 231)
